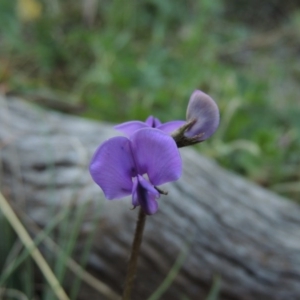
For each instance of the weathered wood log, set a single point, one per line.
(239, 231)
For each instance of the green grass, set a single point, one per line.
(147, 57)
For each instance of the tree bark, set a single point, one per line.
(247, 236)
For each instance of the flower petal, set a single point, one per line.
(156, 154)
(135, 201)
(148, 186)
(148, 202)
(153, 122)
(112, 167)
(205, 111)
(171, 126)
(146, 196)
(130, 127)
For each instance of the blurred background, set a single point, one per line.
(116, 61)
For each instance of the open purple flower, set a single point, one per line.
(130, 127)
(120, 164)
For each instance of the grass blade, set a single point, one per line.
(35, 253)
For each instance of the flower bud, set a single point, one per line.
(204, 110)
(203, 119)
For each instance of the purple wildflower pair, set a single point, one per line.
(149, 156)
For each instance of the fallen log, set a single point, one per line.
(247, 236)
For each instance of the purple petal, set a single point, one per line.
(130, 127)
(156, 154)
(135, 201)
(156, 123)
(153, 122)
(148, 186)
(112, 167)
(171, 126)
(146, 195)
(147, 202)
(205, 111)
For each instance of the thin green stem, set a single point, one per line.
(135, 249)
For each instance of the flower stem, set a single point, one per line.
(135, 249)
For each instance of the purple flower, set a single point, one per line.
(203, 110)
(203, 119)
(202, 115)
(130, 127)
(122, 166)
